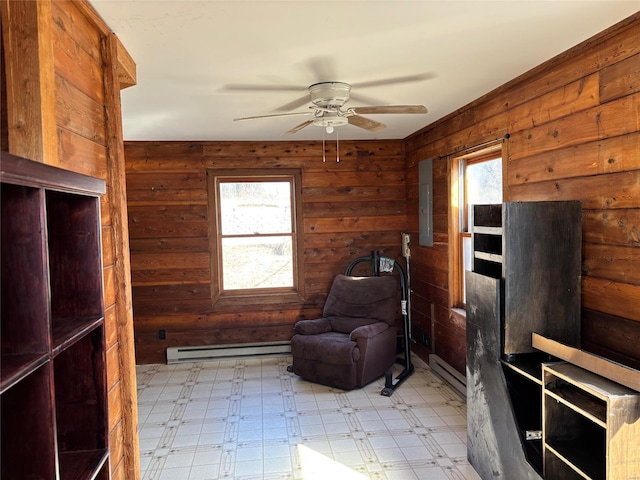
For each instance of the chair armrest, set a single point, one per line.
(369, 331)
(312, 327)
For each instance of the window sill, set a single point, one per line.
(459, 316)
(258, 299)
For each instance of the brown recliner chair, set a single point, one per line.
(355, 340)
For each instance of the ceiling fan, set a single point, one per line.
(328, 109)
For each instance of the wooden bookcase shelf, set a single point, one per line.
(591, 425)
(53, 404)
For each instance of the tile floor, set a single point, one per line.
(252, 419)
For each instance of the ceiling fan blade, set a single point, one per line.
(364, 99)
(263, 88)
(297, 128)
(390, 109)
(295, 103)
(271, 115)
(389, 81)
(366, 123)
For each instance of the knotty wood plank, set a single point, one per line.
(363, 240)
(169, 245)
(110, 326)
(183, 275)
(107, 246)
(352, 193)
(113, 372)
(308, 149)
(136, 197)
(169, 261)
(615, 298)
(74, 150)
(620, 79)
(116, 453)
(167, 181)
(612, 262)
(339, 209)
(168, 221)
(76, 66)
(612, 227)
(354, 224)
(70, 20)
(346, 179)
(579, 95)
(615, 154)
(78, 113)
(343, 256)
(616, 190)
(611, 336)
(109, 285)
(619, 117)
(114, 401)
(621, 374)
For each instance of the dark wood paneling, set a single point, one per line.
(611, 336)
(349, 209)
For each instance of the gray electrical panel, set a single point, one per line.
(425, 202)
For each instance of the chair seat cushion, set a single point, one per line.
(348, 324)
(332, 347)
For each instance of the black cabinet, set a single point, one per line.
(526, 278)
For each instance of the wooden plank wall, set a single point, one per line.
(76, 46)
(349, 209)
(574, 125)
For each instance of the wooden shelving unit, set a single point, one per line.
(53, 404)
(591, 426)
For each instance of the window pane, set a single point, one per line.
(250, 208)
(467, 254)
(257, 262)
(483, 184)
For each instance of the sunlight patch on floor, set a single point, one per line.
(318, 466)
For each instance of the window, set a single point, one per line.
(476, 180)
(255, 234)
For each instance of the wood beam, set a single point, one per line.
(126, 66)
(122, 266)
(30, 75)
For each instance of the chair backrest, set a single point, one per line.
(373, 298)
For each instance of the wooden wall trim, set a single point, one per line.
(127, 74)
(126, 67)
(122, 264)
(31, 109)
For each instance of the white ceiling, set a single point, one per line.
(192, 56)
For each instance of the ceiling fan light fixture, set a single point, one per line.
(329, 94)
(330, 120)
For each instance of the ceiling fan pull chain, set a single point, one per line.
(324, 154)
(337, 147)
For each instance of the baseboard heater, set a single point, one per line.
(230, 351)
(449, 374)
